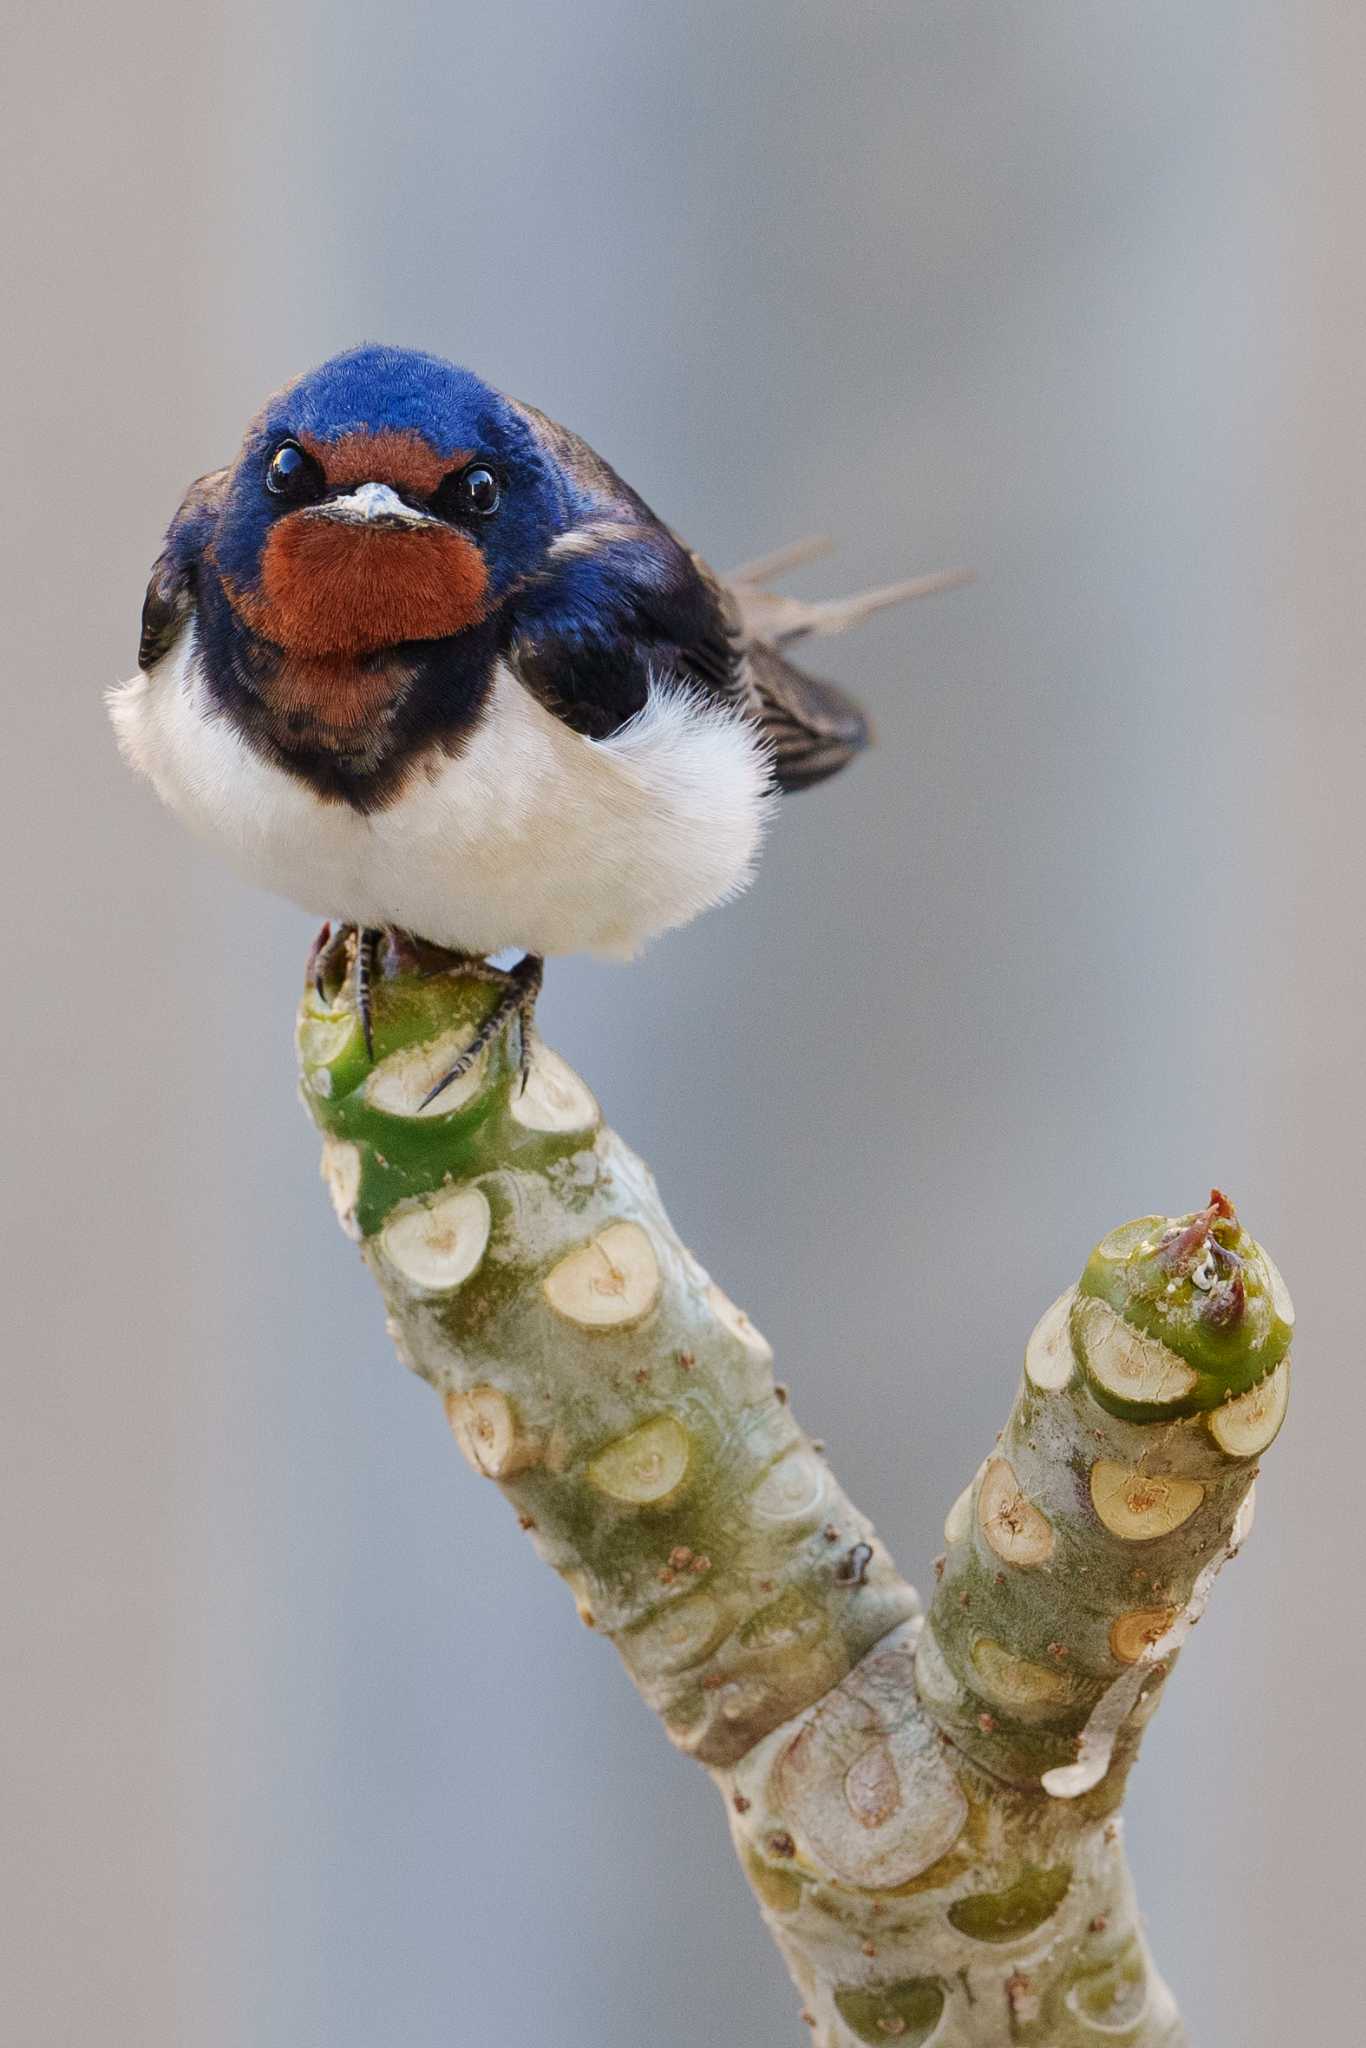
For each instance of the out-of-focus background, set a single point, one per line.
(302, 1745)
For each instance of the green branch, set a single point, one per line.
(924, 1807)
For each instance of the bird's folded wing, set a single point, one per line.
(810, 725)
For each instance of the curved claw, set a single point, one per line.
(324, 957)
(313, 970)
(520, 985)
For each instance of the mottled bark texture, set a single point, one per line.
(926, 1806)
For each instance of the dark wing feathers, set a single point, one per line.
(170, 593)
(163, 614)
(811, 726)
(622, 601)
(619, 603)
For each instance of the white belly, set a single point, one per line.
(533, 837)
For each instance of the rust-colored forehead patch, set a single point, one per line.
(331, 587)
(403, 460)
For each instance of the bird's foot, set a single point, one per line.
(328, 968)
(348, 955)
(326, 960)
(520, 986)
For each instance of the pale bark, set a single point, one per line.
(926, 1807)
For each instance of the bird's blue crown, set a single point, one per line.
(373, 389)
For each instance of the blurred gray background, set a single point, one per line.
(302, 1745)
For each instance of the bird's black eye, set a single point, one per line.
(468, 493)
(479, 487)
(294, 474)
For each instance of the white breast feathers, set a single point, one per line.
(531, 836)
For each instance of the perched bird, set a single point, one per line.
(419, 658)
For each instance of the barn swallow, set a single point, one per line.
(418, 658)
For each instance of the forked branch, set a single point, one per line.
(925, 1806)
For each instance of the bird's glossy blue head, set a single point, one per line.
(385, 497)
